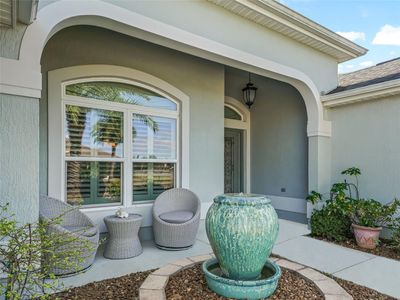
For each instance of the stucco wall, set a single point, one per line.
(279, 144)
(201, 80)
(11, 39)
(216, 23)
(367, 135)
(19, 156)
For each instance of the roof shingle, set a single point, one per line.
(384, 71)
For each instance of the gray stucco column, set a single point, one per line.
(19, 156)
(319, 165)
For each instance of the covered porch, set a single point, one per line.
(190, 128)
(285, 143)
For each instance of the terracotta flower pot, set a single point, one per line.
(366, 237)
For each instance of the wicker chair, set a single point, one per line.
(176, 218)
(79, 229)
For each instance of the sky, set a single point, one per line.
(372, 24)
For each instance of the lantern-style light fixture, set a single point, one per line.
(249, 93)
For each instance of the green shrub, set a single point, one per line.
(330, 223)
(395, 228)
(371, 213)
(334, 220)
(314, 197)
(23, 247)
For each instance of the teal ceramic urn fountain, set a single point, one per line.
(242, 229)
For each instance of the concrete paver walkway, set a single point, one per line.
(379, 273)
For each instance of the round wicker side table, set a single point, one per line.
(123, 241)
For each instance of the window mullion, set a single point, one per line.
(128, 168)
(150, 180)
(158, 160)
(93, 158)
(150, 141)
(94, 185)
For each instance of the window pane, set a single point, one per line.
(119, 92)
(151, 179)
(163, 177)
(153, 137)
(140, 180)
(93, 182)
(93, 132)
(229, 113)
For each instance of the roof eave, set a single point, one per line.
(278, 17)
(366, 93)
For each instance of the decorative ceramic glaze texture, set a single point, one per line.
(242, 289)
(242, 229)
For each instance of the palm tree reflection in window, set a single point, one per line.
(107, 130)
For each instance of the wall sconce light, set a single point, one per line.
(249, 93)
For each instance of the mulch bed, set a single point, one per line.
(190, 284)
(383, 249)
(121, 288)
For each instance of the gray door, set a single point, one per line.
(233, 179)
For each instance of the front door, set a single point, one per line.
(233, 181)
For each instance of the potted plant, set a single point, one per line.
(368, 216)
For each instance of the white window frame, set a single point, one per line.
(58, 100)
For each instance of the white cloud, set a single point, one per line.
(388, 35)
(366, 64)
(392, 53)
(352, 35)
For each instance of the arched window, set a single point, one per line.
(231, 113)
(118, 136)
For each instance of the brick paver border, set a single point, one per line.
(153, 288)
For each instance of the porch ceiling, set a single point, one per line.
(278, 17)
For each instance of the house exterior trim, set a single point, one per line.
(371, 92)
(17, 79)
(278, 17)
(64, 13)
(19, 91)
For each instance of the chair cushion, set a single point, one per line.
(82, 230)
(177, 217)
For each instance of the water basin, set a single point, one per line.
(260, 288)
